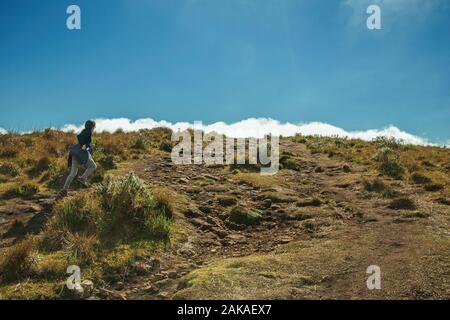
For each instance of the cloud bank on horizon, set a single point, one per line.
(254, 127)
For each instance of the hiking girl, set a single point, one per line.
(81, 154)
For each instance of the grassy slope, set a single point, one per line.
(331, 204)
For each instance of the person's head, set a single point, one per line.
(90, 125)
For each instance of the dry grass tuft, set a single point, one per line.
(17, 261)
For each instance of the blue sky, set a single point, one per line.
(227, 60)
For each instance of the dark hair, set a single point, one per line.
(89, 125)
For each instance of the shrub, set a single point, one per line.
(390, 193)
(108, 162)
(118, 208)
(158, 225)
(433, 187)
(309, 203)
(78, 214)
(386, 142)
(56, 173)
(226, 201)
(9, 169)
(139, 144)
(82, 247)
(163, 201)
(8, 153)
(113, 149)
(17, 261)
(40, 166)
(24, 191)
(17, 229)
(419, 178)
(48, 133)
(241, 215)
(374, 186)
(288, 163)
(389, 163)
(130, 205)
(402, 204)
(165, 146)
(279, 197)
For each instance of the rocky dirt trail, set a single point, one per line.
(21, 217)
(382, 236)
(411, 246)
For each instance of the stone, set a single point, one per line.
(318, 169)
(284, 240)
(154, 264)
(220, 233)
(190, 213)
(267, 203)
(211, 177)
(141, 268)
(183, 180)
(205, 208)
(163, 296)
(187, 253)
(88, 287)
(199, 223)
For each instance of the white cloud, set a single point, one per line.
(257, 128)
(3, 131)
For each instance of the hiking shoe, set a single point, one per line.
(83, 182)
(62, 194)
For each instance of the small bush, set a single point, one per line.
(389, 163)
(165, 146)
(309, 203)
(40, 166)
(419, 178)
(78, 214)
(374, 186)
(48, 133)
(390, 193)
(402, 204)
(17, 261)
(9, 169)
(56, 174)
(288, 163)
(278, 197)
(434, 187)
(241, 215)
(108, 162)
(158, 225)
(139, 144)
(8, 153)
(226, 201)
(17, 229)
(112, 149)
(130, 205)
(386, 142)
(24, 191)
(82, 247)
(119, 209)
(163, 201)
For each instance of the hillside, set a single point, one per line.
(149, 229)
